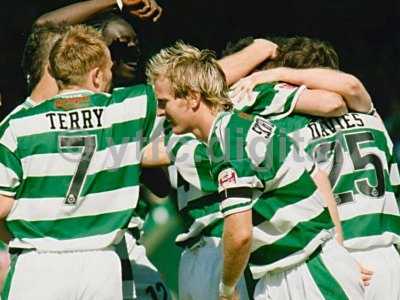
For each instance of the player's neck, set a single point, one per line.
(44, 90)
(203, 123)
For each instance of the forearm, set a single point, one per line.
(78, 12)
(241, 63)
(236, 244)
(155, 154)
(346, 85)
(322, 181)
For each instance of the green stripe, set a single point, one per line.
(103, 181)
(180, 142)
(296, 240)
(71, 228)
(268, 203)
(203, 168)
(370, 225)
(10, 275)
(48, 142)
(8, 159)
(326, 282)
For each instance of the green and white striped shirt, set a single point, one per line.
(197, 192)
(73, 163)
(258, 167)
(357, 153)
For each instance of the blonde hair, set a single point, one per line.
(80, 50)
(188, 70)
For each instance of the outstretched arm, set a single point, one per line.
(241, 63)
(347, 86)
(78, 12)
(82, 11)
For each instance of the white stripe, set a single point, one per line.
(8, 178)
(198, 225)
(65, 164)
(186, 165)
(245, 181)
(394, 174)
(363, 205)
(130, 109)
(232, 201)
(285, 219)
(292, 105)
(87, 243)
(47, 209)
(219, 131)
(237, 210)
(372, 241)
(8, 139)
(242, 100)
(290, 171)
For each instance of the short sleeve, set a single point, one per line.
(10, 165)
(274, 101)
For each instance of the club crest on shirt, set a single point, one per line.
(227, 178)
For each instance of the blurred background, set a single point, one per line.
(364, 33)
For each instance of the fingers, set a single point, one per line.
(366, 275)
(158, 14)
(150, 9)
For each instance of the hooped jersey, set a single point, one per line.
(357, 154)
(72, 163)
(197, 192)
(258, 167)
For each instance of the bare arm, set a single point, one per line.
(322, 181)
(6, 204)
(351, 90)
(241, 63)
(237, 238)
(320, 103)
(82, 11)
(78, 12)
(155, 154)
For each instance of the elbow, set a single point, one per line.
(39, 21)
(241, 240)
(335, 107)
(353, 86)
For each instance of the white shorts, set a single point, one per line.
(89, 275)
(385, 263)
(141, 279)
(200, 272)
(331, 274)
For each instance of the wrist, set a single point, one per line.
(266, 47)
(225, 290)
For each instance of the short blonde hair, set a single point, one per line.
(189, 69)
(80, 50)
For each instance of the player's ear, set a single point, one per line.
(95, 77)
(194, 99)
